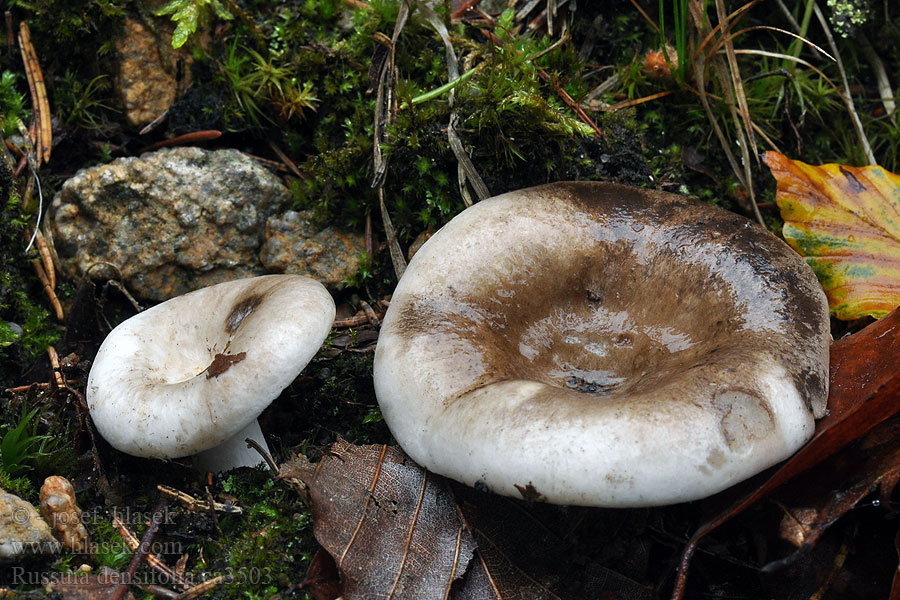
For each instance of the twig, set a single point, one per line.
(142, 551)
(48, 289)
(636, 101)
(54, 364)
(358, 4)
(370, 314)
(370, 240)
(157, 591)
(205, 587)
(187, 138)
(46, 258)
(286, 160)
(154, 561)
(195, 504)
(25, 388)
(10, 36)
(354, 321)
(273, 466)
(43, 136)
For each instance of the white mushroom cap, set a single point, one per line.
(194, 371)
(594, 344)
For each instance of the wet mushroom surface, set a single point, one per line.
(603, 345)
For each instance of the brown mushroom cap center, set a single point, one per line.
(617, 316)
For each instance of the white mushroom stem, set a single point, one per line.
(233, 452)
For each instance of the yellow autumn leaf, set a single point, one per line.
(846, 222)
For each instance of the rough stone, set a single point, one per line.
(148, 77)
(22, 530)
(167, 222)
(292, 245)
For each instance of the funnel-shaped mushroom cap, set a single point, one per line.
(595, 344)
(189, 373)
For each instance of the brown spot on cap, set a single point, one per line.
(223, 362)
(241, 311)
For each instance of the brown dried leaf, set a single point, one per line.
(73, 586)
(838, 484)
(397, 531)
(323, 582)
(391, 527)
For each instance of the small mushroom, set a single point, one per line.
(191, 375)
(595, 344)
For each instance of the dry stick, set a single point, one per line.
(188, 138)
(154, 123)
(43, 136)
(354, 321)
(202, 588)
(370, 314)
(142, 551)
(370, 240)
(270, 462)
(158, 591)
(46, 257)
(10, 36)
(25, 388)
(54, 364)
(570, 102)
(154, 561)
(845, 92)
(211, 503)
(286, 160)
(195, 504)
(48, 289)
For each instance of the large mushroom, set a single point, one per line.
(595, 344)
(190, 376)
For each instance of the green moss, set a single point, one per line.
(20, 486)
(109, 549)
(268, 547)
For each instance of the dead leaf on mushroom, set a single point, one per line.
(846, 222)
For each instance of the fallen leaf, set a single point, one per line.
(864, 392)
(391, 527)
(323, 582)
(846, 222)
(77, 586)
(398, 531)
(836, 486)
